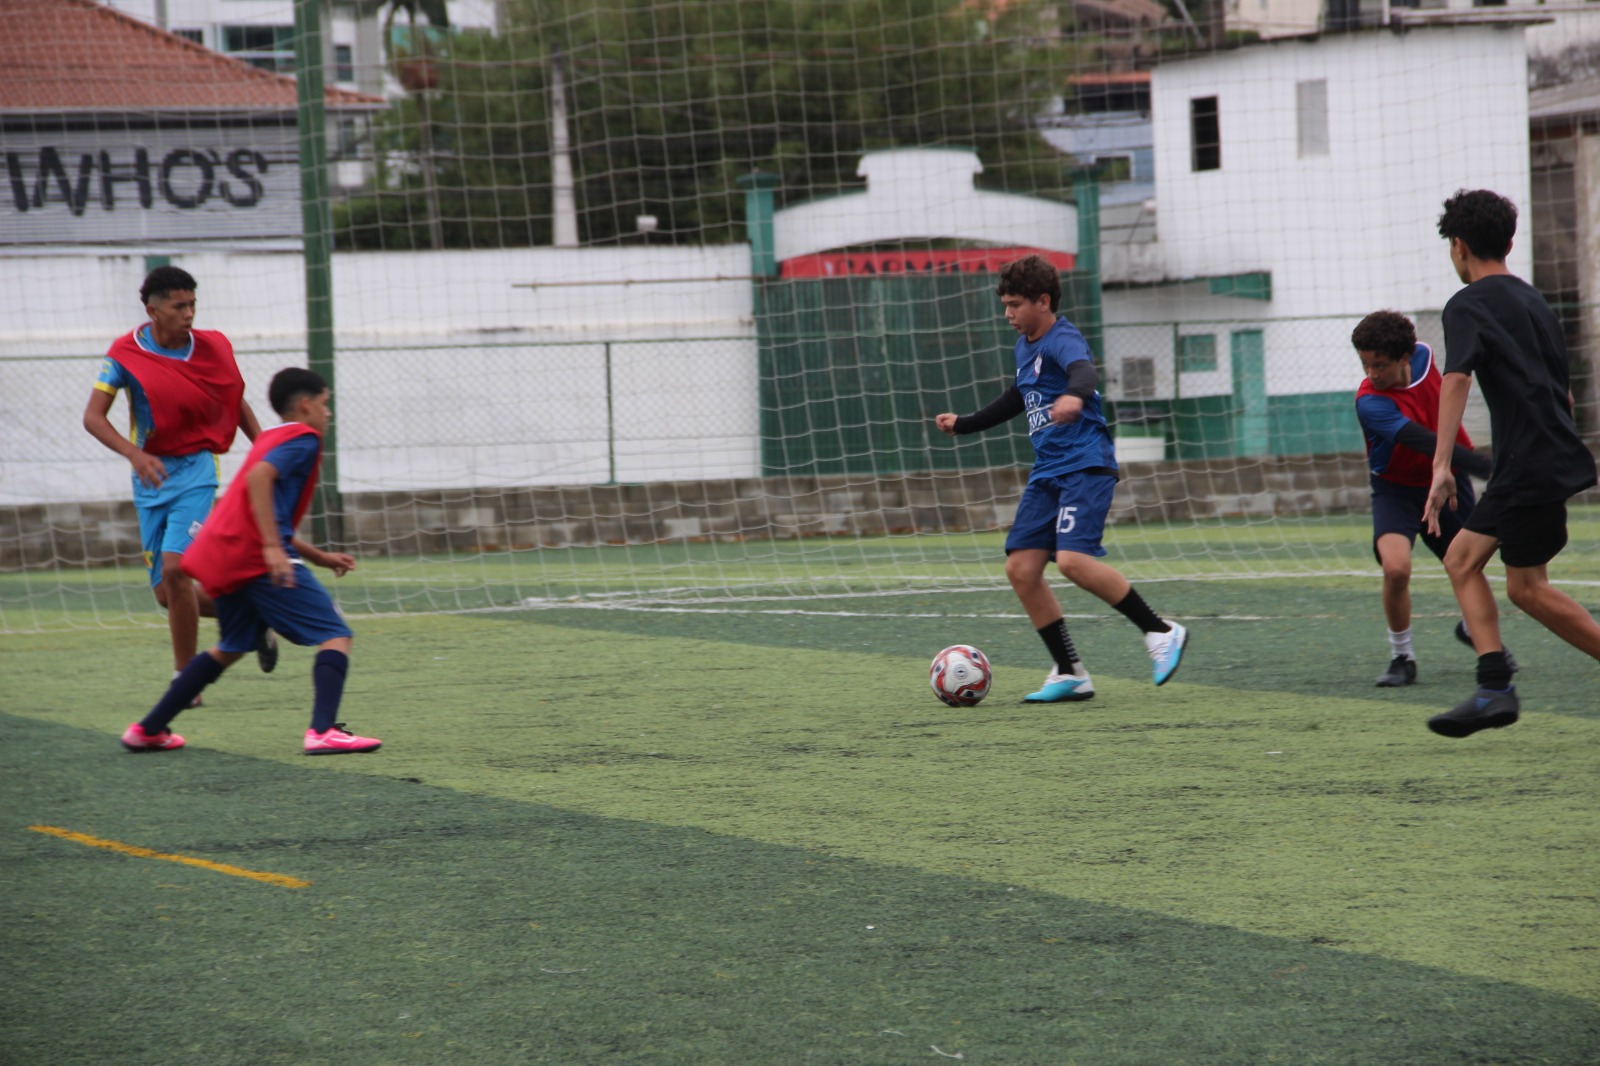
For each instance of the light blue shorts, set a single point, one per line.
(170, 515)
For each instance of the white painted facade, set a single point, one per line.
(1340, 232)
(505, 368)
(918, 194)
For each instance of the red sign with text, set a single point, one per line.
(948, 261)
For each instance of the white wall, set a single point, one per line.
(454, 369)
(1411, 118)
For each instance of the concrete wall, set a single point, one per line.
(47, 535)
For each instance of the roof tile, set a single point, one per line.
(78, 55)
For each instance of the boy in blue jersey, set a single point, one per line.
(186, 400)
(1062, 514)
(1397, 405)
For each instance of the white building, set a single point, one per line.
(1297, 188)
(261, 32)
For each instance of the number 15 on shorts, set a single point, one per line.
(1069, 519)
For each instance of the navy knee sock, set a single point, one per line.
(327, 680)
(201, 671)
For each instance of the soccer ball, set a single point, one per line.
(960, 675)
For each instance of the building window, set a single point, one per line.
(1197, 351)
(1205, 134)
(344, 63)
(197, 36)
(1113, 168)
(1311, 117)
(267, 47)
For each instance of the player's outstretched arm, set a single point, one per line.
(1008, 406)
(341, 563)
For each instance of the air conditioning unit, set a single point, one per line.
(1139, 379)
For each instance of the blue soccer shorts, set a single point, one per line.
(1063, 514)
(303, 615)
(171, 513)
(1398, 509)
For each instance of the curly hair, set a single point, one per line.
(1484, 220)
(1387, 333)
(165, 279)
(1031, 277)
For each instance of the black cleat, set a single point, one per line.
(266, 649)
(1486, 709)
(1402, 671)
(1461, 635)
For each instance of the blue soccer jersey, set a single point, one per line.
(1060, 448)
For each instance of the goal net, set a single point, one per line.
(653, 303)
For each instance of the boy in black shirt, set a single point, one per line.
(1500, 328)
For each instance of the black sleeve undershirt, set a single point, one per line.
(1421, 439)
(1004, 409)
(1082, 379)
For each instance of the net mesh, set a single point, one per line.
(653, 303)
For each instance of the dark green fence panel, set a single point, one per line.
(853, 369)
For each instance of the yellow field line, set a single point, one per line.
(146, 853)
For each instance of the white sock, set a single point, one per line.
(1400, 644)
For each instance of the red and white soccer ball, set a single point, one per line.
(960, 675)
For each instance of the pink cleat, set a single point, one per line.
(134, 739)
(337, 741)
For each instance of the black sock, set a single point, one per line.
(327, 680)
(1139, 613)
(1493, 671)
(1056, 639)
(201, 671)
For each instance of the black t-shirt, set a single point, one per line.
(1501, 329)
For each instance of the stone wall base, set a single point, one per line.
(470, 520)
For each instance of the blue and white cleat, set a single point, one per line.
(1166, 651)
(1063, 688)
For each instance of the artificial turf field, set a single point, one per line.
(748, 834)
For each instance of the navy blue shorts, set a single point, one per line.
(1064, 514)
(303, 615)
(1398, 509)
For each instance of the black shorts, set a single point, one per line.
(1398, 509)
(1529, 534)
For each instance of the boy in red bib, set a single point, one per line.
(1398, 407)
(248, 559)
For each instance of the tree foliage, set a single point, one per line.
(670, 102)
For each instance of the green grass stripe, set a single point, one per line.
(447, 927)
(1317, 819)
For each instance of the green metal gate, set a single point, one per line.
(853, 369)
